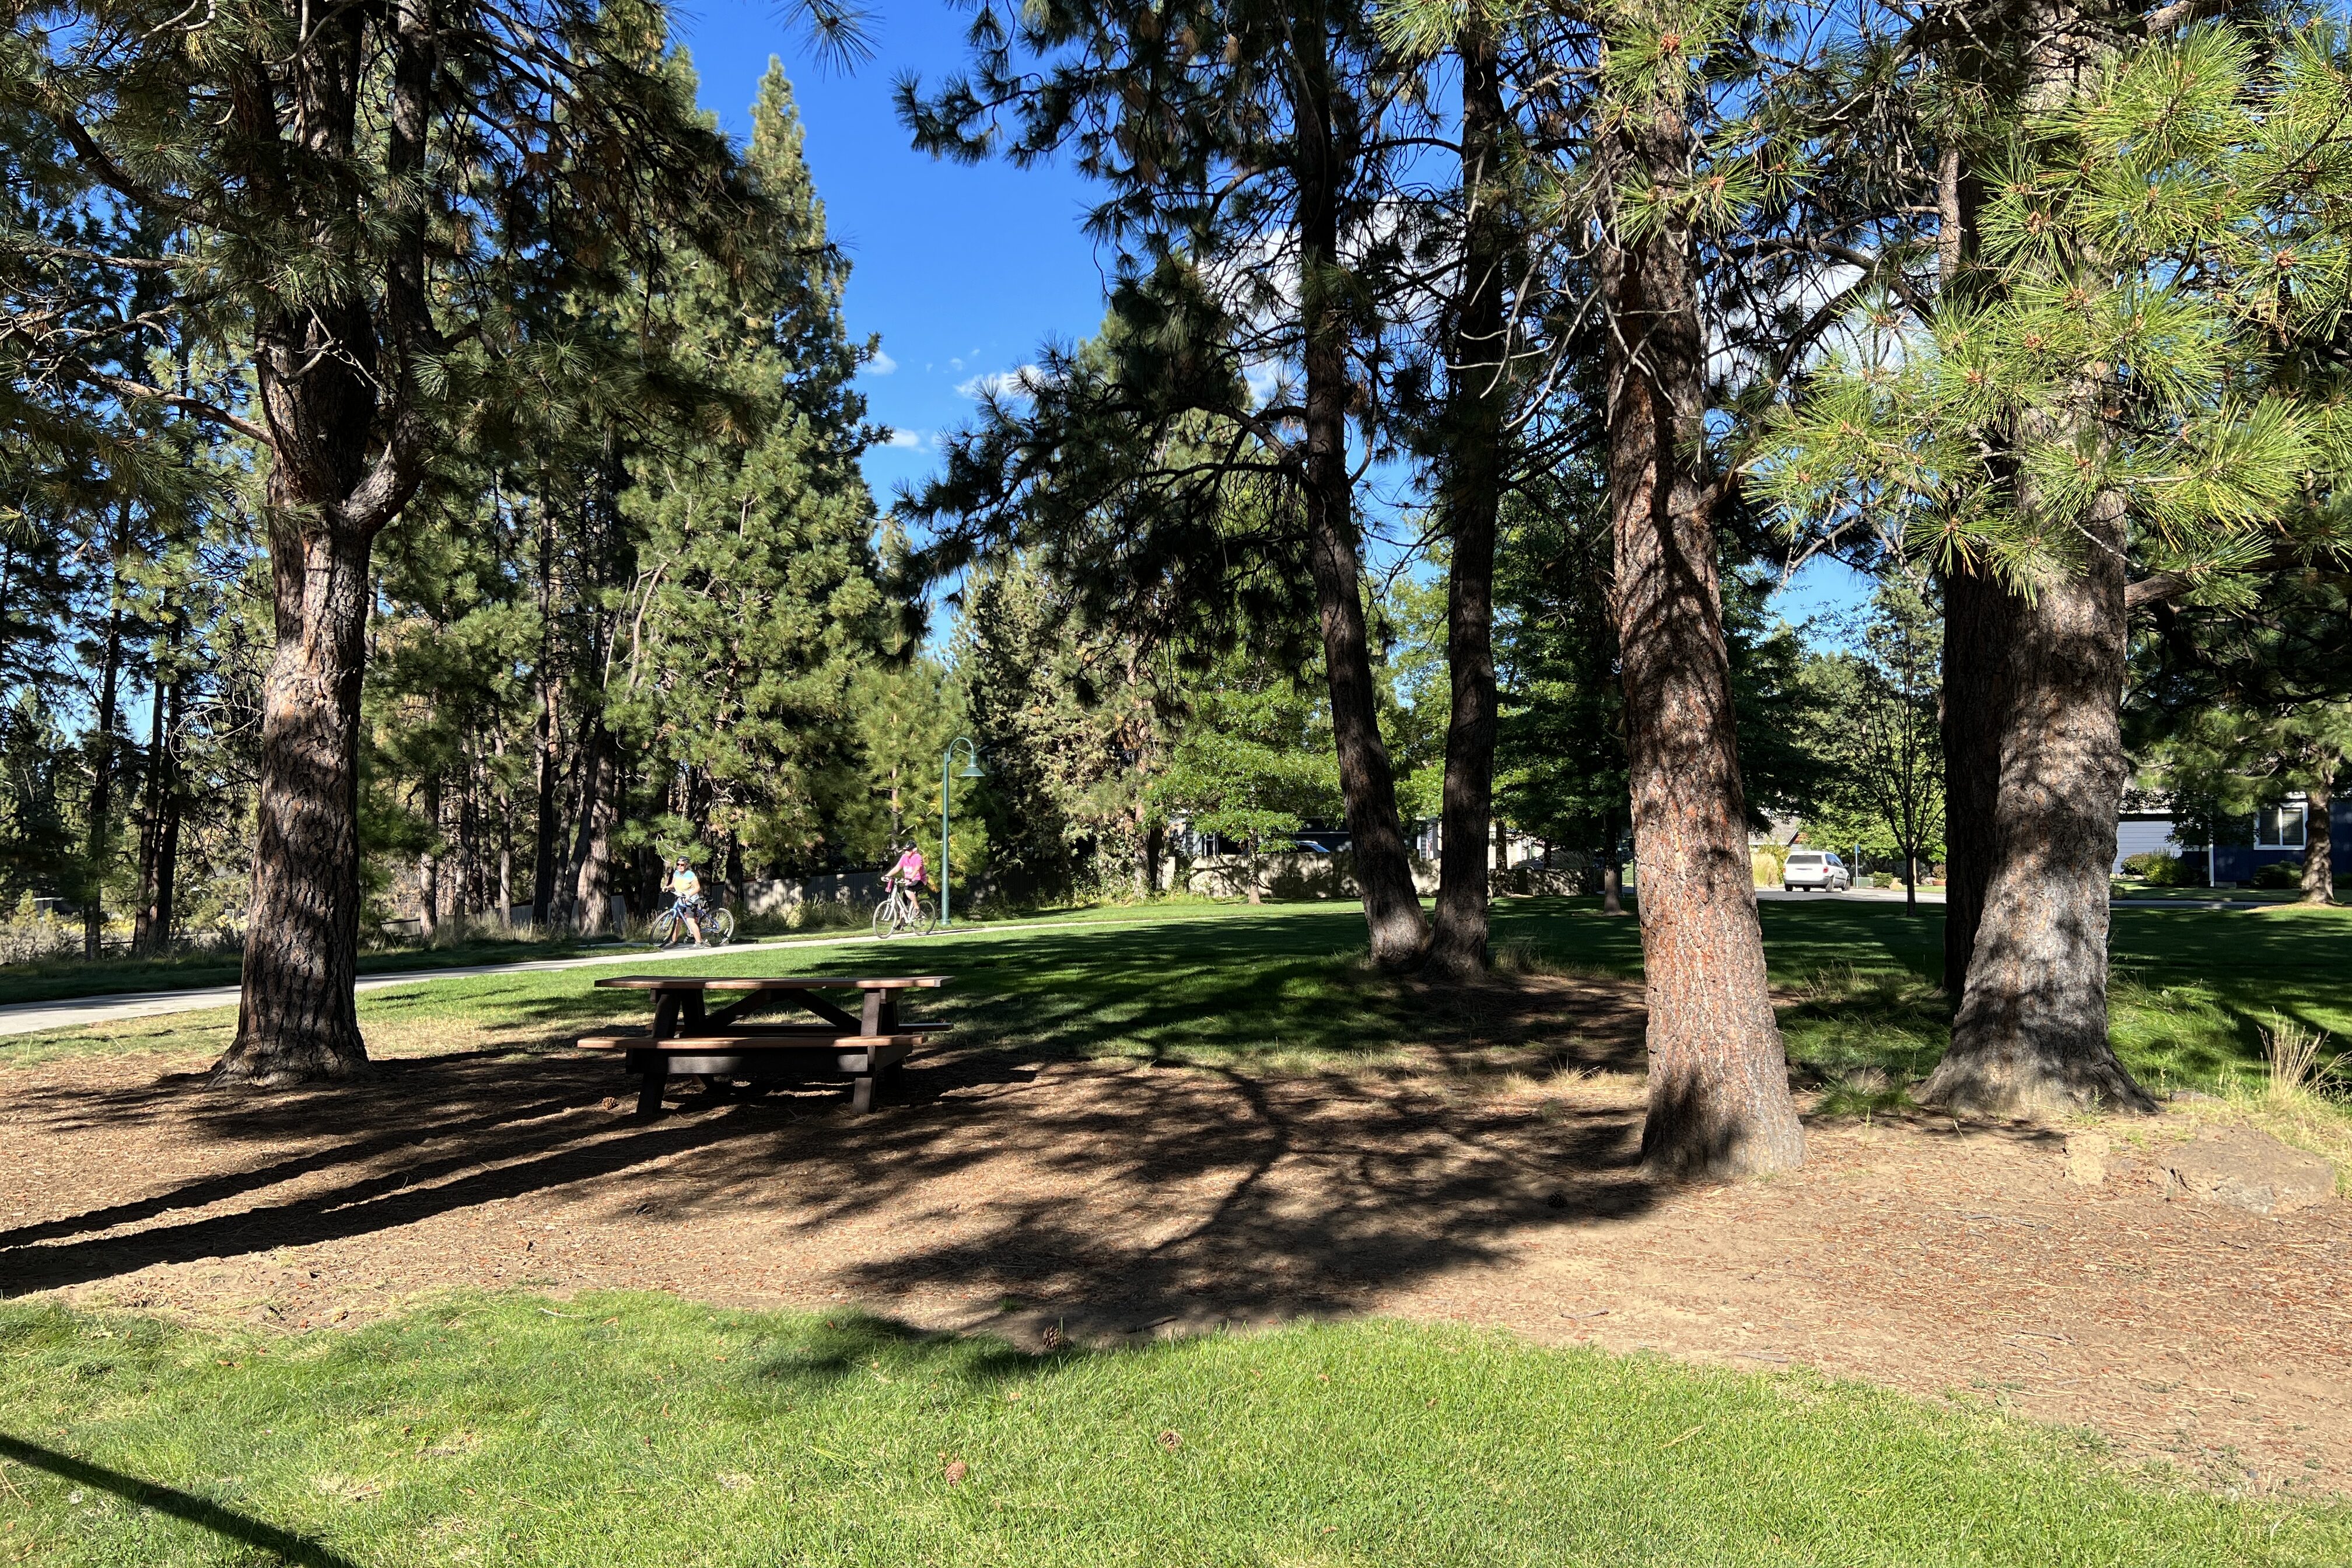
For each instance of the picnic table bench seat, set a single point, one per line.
(688, 1038)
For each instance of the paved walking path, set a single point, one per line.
(76, 1012)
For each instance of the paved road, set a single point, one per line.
(73, 1013)
(1867, 895)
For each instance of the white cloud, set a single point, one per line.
(904, 438)
(1019, 383)
(955, 364)
(880, 364)
(1264, 378)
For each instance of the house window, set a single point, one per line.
(2278, 827)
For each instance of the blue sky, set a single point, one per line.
(963, 270)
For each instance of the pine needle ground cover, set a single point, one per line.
(511, 1429)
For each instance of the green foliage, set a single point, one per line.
(1878, 734)
(1070, 720)
(1253, 761)
(2160, 869)
(2150, 247)
(2231, 706)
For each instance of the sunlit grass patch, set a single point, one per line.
(611, 1428)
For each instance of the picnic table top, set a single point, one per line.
(772, 981)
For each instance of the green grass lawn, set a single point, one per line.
(1287, 984)
(634, 1430)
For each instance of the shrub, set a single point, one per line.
(2278, 874)
(2159, 869)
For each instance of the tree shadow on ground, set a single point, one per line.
(1134, 1190)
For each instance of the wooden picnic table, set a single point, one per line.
(688, 1036)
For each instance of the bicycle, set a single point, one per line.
(901, 910)
(717, 926)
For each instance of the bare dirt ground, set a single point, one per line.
(1119, 1201)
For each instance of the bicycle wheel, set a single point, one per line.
(886, 917)
(666, 928)
(926, 916)
(719, 928)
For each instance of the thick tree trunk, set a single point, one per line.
(1720, 1102)
(2040, 689)
(1477, 396)
(103, 756)
(2032, 1033)
(1613, 887)
(297, 1021)
(348, 447)
(1400, 936)
(2319, 837)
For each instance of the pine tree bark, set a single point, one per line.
(2319, 835)
(348, 447)
(297, 1019)
(103, 758)
(1477, 393)
(158, 859)
(1981, 623)
(1718, 1098)
(428, 863)
(2031, 1036)
(1400, 936)
(592, 855)
(2041, 692)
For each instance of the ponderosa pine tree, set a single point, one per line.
(2102, 400)
(373, 203)
(1245, 146)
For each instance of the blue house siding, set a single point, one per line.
(2237, 862)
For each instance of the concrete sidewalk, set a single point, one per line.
(79, 1012)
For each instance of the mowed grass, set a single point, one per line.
(1287, 984)
(609, 1429)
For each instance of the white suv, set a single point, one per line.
(1816, 868)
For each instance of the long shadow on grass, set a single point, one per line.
(282, 1544)
(1139, 1184)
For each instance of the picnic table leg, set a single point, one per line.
(880, 1018)
(657, 1072)
(657, 1081)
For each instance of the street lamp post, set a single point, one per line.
(970, 771)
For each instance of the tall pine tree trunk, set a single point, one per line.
(2319, 835)
(145, 940)
(341, 465)
(546, 823)
(103, 755)
(591, 854)
(296, 1020)
(1367, 779)
(2042, 689)
(1718, 1101)
(1980, 621)
(2031, 1032)
(428, 863)
(1477, 396)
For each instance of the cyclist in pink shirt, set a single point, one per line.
(909, 868)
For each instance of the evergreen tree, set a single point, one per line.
(1246, 149)
(2103, 396)
(374, 208)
